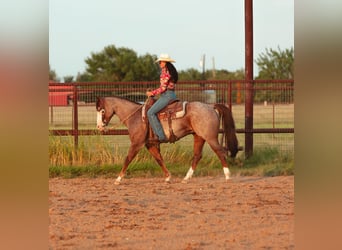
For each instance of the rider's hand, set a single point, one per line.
(149, 93)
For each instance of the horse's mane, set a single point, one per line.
(125, 99)
(98, 101)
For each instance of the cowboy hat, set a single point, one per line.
(165, 58)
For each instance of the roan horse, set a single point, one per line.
(201, 120)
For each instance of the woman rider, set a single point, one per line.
(166, 90)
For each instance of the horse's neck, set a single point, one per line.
(124, 109)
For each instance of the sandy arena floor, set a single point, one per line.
(146, 213)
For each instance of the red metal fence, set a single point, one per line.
(273, 106)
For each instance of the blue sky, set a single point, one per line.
(185, 29)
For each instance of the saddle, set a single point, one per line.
(174, 110)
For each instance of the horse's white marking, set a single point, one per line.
(99, 121)
(167, 179)
(226, 173)
(189, 174)
(118, 180)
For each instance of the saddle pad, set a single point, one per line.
(175, 110)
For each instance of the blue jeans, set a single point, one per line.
(162, 102)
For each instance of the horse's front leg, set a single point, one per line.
(198, 148)
(132, 152)
(155, 152)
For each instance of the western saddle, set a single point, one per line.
(174, 110)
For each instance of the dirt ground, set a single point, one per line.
(146, 213)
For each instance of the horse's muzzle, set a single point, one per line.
(101, 127)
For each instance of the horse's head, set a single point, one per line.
(104, 113)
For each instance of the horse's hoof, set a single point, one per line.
(185, 181)
(118, 180)
(168, 179)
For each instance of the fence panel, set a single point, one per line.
(273, 114)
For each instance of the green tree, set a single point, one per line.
(53, 75)
(83, 77)
(223, 74)
(275, 64)
(189, 75)
(146, 69)
(120, 64)
(68, 79)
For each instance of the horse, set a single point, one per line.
(202, 120)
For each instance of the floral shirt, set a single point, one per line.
(165, 82)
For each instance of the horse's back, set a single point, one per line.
(201, 109)
(203, 118)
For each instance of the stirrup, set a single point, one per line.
(155, 140)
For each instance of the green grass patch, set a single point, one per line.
(103, 156)
(267, 161)
(84, 171)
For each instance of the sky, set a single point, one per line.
(184, 29)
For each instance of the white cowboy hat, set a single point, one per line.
(165, 58)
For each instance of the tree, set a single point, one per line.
(120, 64)
(189, 75)
(146, 69)
(276, 64)
(84, 77)
(52, 75)
(68, 79)
(223, 74)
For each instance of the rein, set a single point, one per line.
(129, 116)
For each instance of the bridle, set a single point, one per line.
(121, 121)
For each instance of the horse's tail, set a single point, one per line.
(229, 140)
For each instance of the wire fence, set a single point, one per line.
(72, 106)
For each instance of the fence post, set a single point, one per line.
(51, 113)
(249, 78)
(75, 122)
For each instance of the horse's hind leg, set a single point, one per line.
(222, 155)
(155, 152)
(198, 148)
